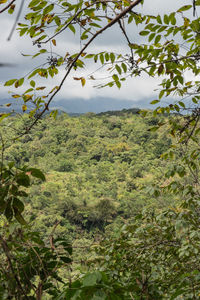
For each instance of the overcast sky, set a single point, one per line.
(134, 89)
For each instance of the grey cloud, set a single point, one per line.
(10, 52)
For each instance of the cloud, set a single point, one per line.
(133, 89)
(161, 7)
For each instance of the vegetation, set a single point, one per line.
(93, 168)
(134, 245)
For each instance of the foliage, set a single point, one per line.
(103, 164)
(30, 267)
(157, 256)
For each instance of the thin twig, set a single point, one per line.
(127, 38)
(6, 7)
(7, 253)
(74, 18)
(51, 235)
(16, 20)
(110, 24)
(2, 153)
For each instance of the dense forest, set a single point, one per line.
(97, 167)
(102, 172)
(101, 206)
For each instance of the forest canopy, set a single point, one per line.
(151, 252)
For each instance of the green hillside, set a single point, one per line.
(98, 168)
(114, 206)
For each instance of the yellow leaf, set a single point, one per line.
(41, 74)
(55, 88)
(8, 104)
(54, 42)
(3, 1)
(186, 22)
(16, 84)
(28, 97)
(16, 96)
(41, 88)
(83, 81)
(24, 107)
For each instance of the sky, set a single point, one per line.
(135, 89)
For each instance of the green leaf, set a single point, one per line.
(166, 19)
(151, 36)
(69, 249)
(23, 179)
(161, 94)
(57, 20)
(184, 8)
(2, 206)
(37, 173)
(102, 58)
(54, 113)
(95, 25)
(89, 56)
(130, 19)
(23, 31)
(112, 57)
(11, 9)
(181, 104)
(10, 82)
(180, 79)
(48, 9)
(33, 3)
(11, 164)
(84, 36)
(115, 77)
(118, 69)
(157, 39)
(8, 211)
(72, 28)
(3, 116)
(194, 100)
(107, 57)
(118, 84)
(43, 51)
(154, 101)
(18, 204)
(34, 73)
(32, 83)
(91, 279)
(144, 32)
(158, 18)
(19, 217)
(65, 259)
(172, 19)
(124, 67)
(20, 81)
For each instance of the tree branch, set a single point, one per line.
(6, 7)
(74, 18)
(110, 24)
(16, 20)
(7, 253)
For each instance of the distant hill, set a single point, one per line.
(96, 105)
(81, 106)
(120, 112)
